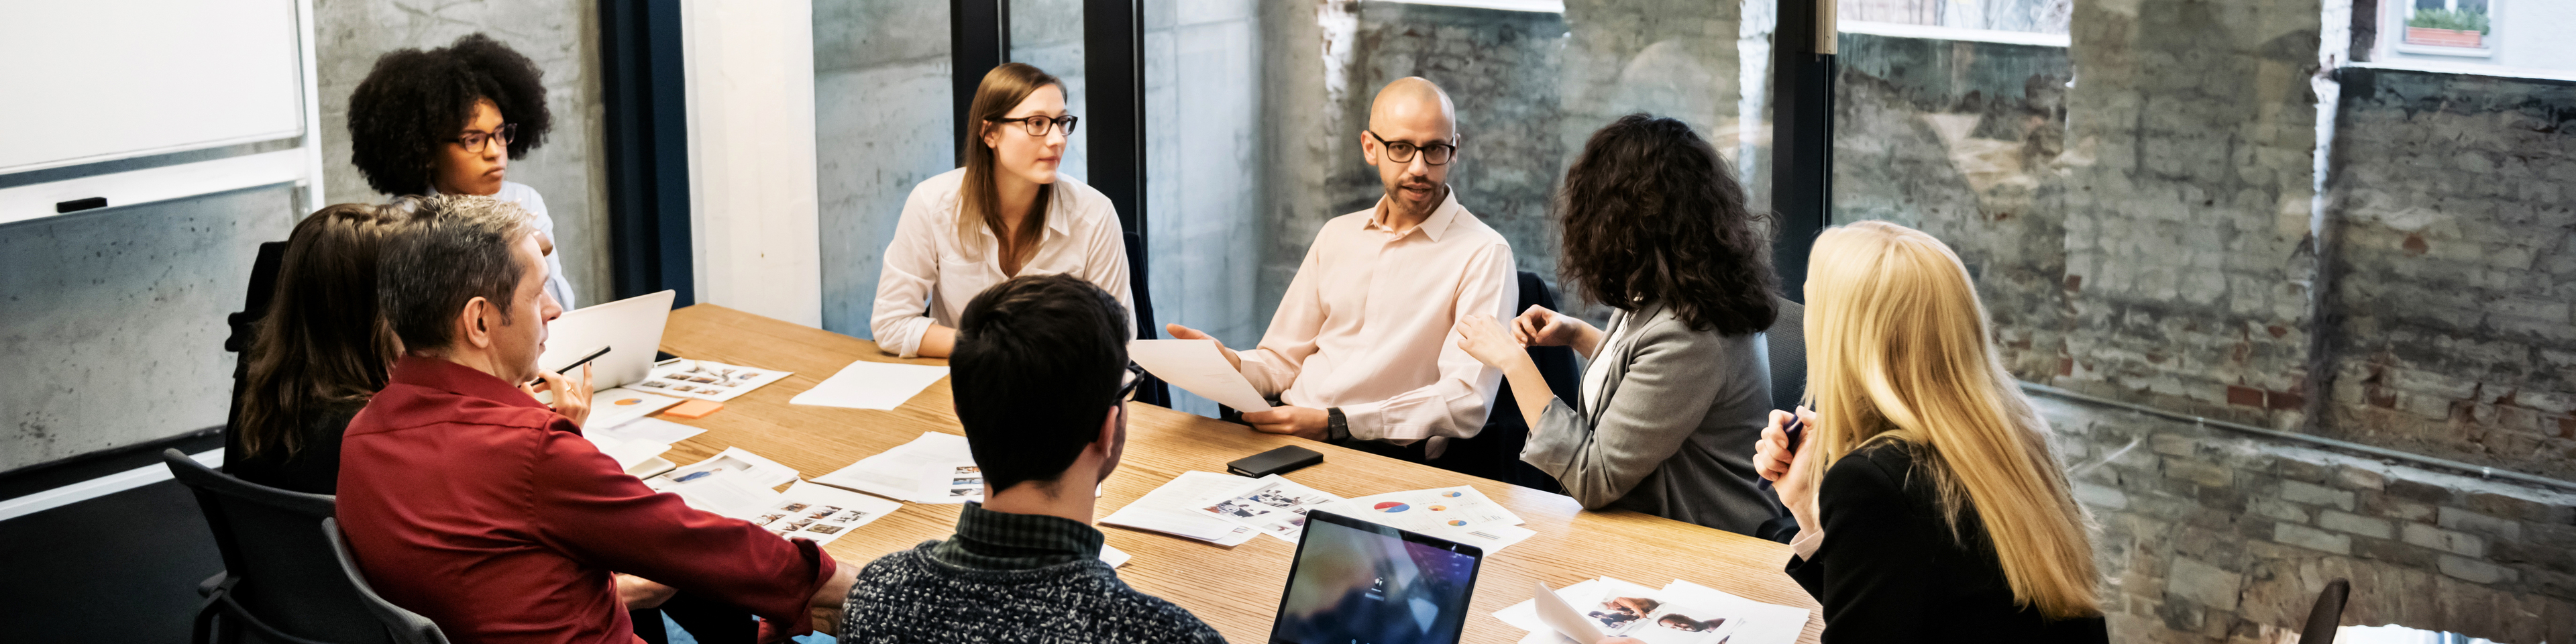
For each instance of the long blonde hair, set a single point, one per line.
(979, 199)
(1897, 351)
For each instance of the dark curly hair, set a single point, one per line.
(1653, 215)
(415, 101)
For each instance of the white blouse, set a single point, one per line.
(930, 273)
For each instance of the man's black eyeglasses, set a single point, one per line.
(475, 141)
(1402, 151)
(1038, 125)
(1135, 378)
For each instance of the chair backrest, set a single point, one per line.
(285, 576)
(245, 327)
(407, 627)
(1787, 343)
(1153, 391)
(2327, 614)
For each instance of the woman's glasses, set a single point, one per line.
(1038, 125)
(475, 142)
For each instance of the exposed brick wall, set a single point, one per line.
(2213, 536)
(1963, 140)
(2187, 193)
(2454, 201)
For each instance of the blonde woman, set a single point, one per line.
(1006, 213)
(1932, 507)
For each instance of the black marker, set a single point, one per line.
(1797, 429)
(576, 364)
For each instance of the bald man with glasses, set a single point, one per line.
(1360, 352)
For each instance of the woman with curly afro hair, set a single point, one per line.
(448, 121)
(1655, 226)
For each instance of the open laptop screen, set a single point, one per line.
(1356, 582)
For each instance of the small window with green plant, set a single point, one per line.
(2452, 19)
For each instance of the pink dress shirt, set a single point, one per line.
(1366, 325)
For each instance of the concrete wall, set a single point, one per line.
(562, 36)
(114, 320)
(2456, 238)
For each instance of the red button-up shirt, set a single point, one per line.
(470, 503)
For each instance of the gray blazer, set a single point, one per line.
(1673, 433)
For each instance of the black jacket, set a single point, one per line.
(315, 468)
(1889, 570)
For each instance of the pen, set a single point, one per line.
(576, 364)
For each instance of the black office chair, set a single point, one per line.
(406, 626)
(1787, 343)
(283, 580)
(2327, 614)
(1154, 391)
(245, 326)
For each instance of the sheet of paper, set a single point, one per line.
(934, 468)
(620, 405)
(1275, 506)
(1196, 366)
(726, 492)
(653, 430)
(1558, 615)
(1113, 556)
(707, 380)
(1459, 514)
(1169, 510)
(759, 471)
(871, 385)
(1679, 613)
(628, 453)
(819, 512)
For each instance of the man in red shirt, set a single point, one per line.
(471, 503)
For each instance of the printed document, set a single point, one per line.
(805, 510)
(1197, 367)
(1680, 613)
(934, 468)
(755, 471)
(1273, 505)
(707, 380)
(1172, 509)
(1459, 514)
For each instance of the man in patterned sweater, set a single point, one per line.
(1040, 379)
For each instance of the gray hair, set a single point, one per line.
(459, 250)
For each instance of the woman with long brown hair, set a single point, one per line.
(1654, 226)
(1005, 213)
(319, 352)
(1931, 507)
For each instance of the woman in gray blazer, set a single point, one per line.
(1655, 227)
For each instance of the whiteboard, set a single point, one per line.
(98, 80)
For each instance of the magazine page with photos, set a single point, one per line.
(1273, 505)
(1679, 613)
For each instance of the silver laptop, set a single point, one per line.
(631, 329)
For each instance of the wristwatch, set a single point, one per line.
(1337, 428)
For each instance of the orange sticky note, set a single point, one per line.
(694, 409)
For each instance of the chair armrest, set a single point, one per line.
(208, 587)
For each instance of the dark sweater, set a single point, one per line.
(1888, 569)
(315, 468)
(1009, 578)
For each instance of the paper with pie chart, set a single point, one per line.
(1273, 505)
(1459, 514)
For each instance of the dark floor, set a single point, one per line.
(123, 566)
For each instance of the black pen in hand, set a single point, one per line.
(576, 364)
(1797, 429)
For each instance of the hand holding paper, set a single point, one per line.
(1196, 366)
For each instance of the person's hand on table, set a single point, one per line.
(638, 593)
(1786, 468)
(1485, 339)
(1185, 333)
(1302, 422)
(572, 397)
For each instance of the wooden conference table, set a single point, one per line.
(1235, 589)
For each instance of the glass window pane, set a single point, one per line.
(883, 122)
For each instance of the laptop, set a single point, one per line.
(631, 329)
(1356, 582)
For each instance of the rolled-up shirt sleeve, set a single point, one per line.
(911, 269)
(1456, 404)
(583, 505)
